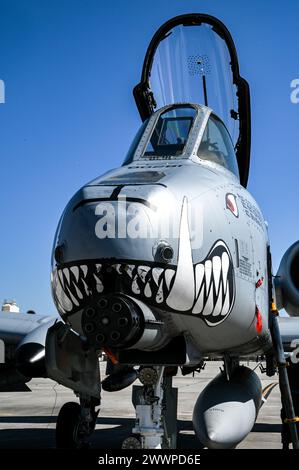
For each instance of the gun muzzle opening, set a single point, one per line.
(114, 321)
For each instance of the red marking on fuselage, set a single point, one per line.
(259, 320)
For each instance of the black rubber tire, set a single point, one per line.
(66, 425)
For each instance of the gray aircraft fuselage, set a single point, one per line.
(165, 261)
(213, 289)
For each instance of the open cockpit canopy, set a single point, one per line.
(192, 59)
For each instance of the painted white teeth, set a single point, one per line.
(147, 290)
(118, 268)
(85, 287)
(142, 272)
(56, 289)
(98, 267)
(218, 306)
(129, 269)
(212, 295)
(226, 305)
(79, 293)
(198, 307)
(156, 273)
(135, 287)
(208, 274)
(61, 278)
(99, 284)
(67, 275)
(74, 300)
(210, 277)
(75, 271)
(216, 264)
(225, 266)
(63, 299)
(209, 304)
(159, 296)
(168, 275)
(84, 269)
(199, 274)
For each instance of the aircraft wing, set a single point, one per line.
(289, 330)
(14, 326)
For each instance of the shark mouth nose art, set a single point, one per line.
(205, 290)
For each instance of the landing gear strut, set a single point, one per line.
(155, 425)
(284, 385)
(75, 423)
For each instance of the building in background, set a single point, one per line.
(10, 306)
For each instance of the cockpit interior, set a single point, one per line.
(170, 130)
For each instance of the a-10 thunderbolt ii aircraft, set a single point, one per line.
(165, 261)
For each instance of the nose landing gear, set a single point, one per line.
(155, 425)
(75, 424)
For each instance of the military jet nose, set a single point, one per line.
(116, 223)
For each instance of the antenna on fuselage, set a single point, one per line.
(200, 65)
(204, 84)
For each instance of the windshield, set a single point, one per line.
(216, 146)
(171, 132)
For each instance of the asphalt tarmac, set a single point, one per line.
(27, 419)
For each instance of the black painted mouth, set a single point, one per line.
(75, 285)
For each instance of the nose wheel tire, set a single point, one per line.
(67, 426)
(131, 442)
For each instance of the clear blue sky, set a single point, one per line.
(69, 67)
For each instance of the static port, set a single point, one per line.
(100, 338)
(89, 312)
(105, 321)
(89, 327)
(116, 307)
(123, 321)
(102, 303)
(115, 335)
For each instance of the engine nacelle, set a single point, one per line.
(287, 281)
(226, 410)
(30, 353)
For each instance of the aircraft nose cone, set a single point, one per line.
(96, 228)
